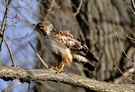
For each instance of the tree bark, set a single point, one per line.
(29, 75)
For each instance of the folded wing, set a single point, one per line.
(79, 51)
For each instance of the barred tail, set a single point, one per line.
(85, 52)
(89, 65)
(91, 57)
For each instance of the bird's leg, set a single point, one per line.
(61, 69)
(65, 60)
(57, 66)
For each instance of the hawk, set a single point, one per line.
(65, 47)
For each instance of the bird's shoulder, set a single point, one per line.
(66, 38)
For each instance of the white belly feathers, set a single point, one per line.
(55, 47)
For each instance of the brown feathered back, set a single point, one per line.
(75, 45)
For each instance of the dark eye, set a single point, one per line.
(40, 27)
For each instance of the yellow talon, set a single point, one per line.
(59, 70)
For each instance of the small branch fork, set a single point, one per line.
(78, 8)
(2, 30)
(133, 4)
(4, 21)
(125, 74)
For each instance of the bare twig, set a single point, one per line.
(18, 39)
(121, 45)
(49, 11)
(130, 71)
(133, 3)
(10, 51)
(11, 87)
(81, 15)
(56, 5)
(131, 38)
(43, 62)
(28, 75)
(129, 7)
(122, 48)
(125, 74)
(78, 9)
(3, 24)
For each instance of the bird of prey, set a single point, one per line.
(64, 47)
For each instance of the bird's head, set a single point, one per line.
(44, 27)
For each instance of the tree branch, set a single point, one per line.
(28, 75)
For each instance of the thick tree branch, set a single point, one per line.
(28, 75)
